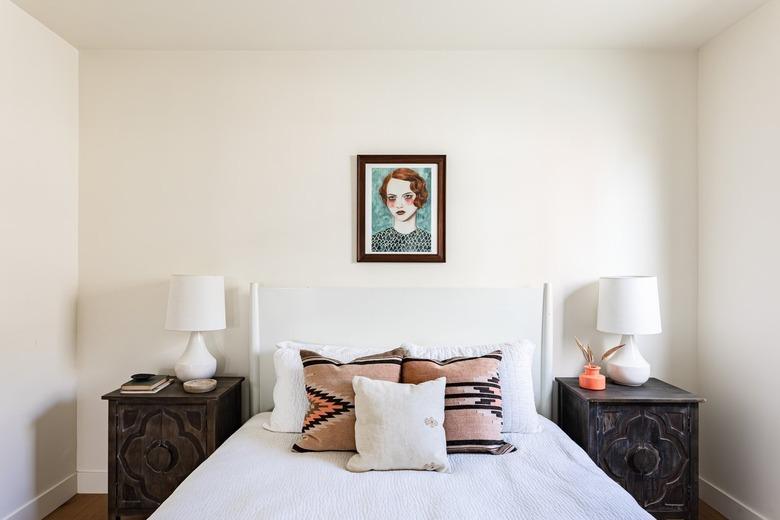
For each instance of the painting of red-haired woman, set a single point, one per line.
(401, 208)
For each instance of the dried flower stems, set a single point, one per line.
(587, 352)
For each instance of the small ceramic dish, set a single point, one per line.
(199, 386)
(141, 377)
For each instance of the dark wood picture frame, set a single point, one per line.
(441, 164)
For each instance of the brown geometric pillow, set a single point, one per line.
(330, 422)
(472, 400)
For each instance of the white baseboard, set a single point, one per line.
(47, 501)
(92, 481)
(726, 504)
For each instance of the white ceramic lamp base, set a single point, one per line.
(627, 366)
(196, 362)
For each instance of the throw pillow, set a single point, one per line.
(329, 424)
(515, 370)
(290, 403)
(399, 426)
(472, 402)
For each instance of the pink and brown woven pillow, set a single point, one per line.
(472, 400)
(330, 422)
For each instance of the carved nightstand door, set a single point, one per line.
(645, 438)
(157, 447)
(157, 440)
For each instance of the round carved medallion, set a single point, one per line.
(643, 458)
(161, 456)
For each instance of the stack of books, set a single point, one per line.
(149, 386)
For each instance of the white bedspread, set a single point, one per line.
(255, 475)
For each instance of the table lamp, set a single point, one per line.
(196, 304)
(628, 305)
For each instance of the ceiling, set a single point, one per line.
(387, 24)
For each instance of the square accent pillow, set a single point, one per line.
(290, 403)
(515, 370)
(472, 401)
(399, 426)
(329, 424)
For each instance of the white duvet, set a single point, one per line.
(255, 475)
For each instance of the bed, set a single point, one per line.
(254, 474)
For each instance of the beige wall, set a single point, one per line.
(38, 264)
(740, 253)
(562, 166)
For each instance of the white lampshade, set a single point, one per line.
(629, 305)
(196, 303)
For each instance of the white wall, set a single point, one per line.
(38, 265)
(562, 166)
(739, 158)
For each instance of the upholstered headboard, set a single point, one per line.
(379, 317)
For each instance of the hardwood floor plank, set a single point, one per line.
(707, 512)
(82, 507)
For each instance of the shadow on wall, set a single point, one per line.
(141, 342)
(236, 339)
(353, 206)
(579, 319)
(55, 447)
(133, 316)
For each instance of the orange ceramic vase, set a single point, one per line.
(590, 378)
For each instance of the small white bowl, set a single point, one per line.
(199, 386)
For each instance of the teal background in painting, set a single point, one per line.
(380, 216)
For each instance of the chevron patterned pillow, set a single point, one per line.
(472, 400)
(330, 422)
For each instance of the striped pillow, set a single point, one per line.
(329, 424)
(472, 401)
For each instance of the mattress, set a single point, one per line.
(255, 475)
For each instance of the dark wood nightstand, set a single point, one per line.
(645, 438)
(156, 440)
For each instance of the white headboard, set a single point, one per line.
(388, 317)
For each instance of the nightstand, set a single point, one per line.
(645, 438)
(156, 440)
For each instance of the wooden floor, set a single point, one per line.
(708, 513)
(85, 507)
(82, 507)
(94, 507)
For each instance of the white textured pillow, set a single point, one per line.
(290, 402)
(515, 372)
(399, 426)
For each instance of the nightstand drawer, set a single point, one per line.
(157, 448)
(646, 449)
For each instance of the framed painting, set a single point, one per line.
(400, 208)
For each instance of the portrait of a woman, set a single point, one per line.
(401, 208)
(403, 192)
